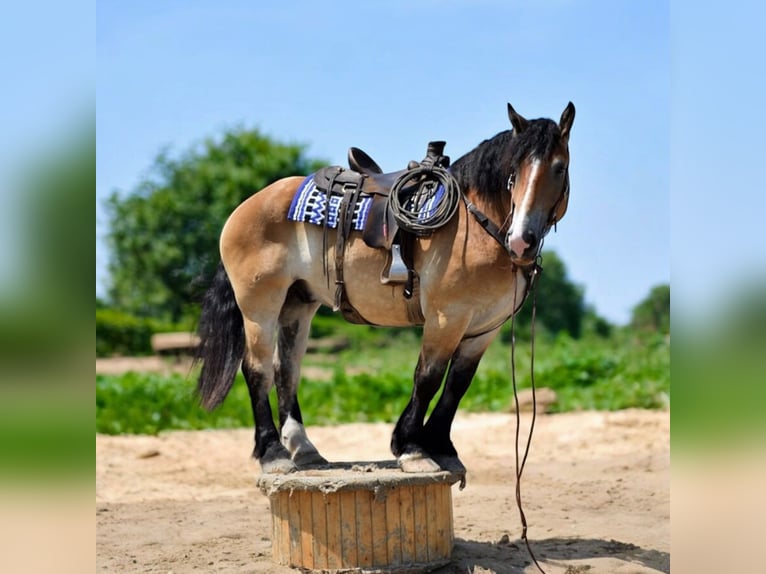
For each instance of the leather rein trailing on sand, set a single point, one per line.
(520, 467)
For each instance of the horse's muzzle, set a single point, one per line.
(523, 247)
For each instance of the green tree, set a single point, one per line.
(42, 302)
(653, 313)
(163, 235)
(595, 324)
(560, 302)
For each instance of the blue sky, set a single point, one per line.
(389, 77)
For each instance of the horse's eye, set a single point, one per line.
(559, 168)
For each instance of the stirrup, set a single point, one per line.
(395, 271)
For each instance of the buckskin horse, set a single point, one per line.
(473, 274)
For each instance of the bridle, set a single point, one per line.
(531, 270)
(558, 209)
(556, 213)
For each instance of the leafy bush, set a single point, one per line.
(120, 333)
(148, 403)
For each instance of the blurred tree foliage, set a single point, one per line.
(44, 299)
(560, 304)
(653, 313)
(163, 234)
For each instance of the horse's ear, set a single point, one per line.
(518, 122)
(567, 118)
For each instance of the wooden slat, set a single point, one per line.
(442, 519)
(393, 528)
(364, 527)
(432, 517)
(319, 528)
(276, 528)
(307, 547)
(294, 513)
(348, 528)
(408, 524)
(421, 525)
(451, 519)
(334, 544)
(284, 547)
(379, 543)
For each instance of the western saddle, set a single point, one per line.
(381, 229)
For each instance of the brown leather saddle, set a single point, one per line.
(381, 230)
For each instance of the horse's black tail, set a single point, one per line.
(222, 341)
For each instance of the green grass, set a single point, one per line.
(372, 381)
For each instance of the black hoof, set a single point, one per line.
(309, 459)
(276, 459)
(450, 463)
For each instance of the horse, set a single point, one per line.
(473, 276)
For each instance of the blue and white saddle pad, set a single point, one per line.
(311, 205)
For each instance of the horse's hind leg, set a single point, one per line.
(258, 369)
(260, 311)
(294, 325)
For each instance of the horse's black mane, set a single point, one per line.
(486, 168)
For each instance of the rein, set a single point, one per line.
(520, 467)
(531, 273)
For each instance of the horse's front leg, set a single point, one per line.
(407, 442)
(437, 431)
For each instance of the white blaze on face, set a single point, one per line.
(515, 240)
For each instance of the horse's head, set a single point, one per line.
(538, 181)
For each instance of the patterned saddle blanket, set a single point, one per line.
(312, 205)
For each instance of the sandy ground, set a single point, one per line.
(596, 495)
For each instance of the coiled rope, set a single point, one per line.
(413, 195)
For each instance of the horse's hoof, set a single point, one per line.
(450, 464)
(309, 458)
(416, 462)
(278, 466)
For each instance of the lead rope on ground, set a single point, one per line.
(520, 467)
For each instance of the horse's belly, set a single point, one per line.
(378, 303)
(362, 266)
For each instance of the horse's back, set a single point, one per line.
(260, 212)
(257, 241)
